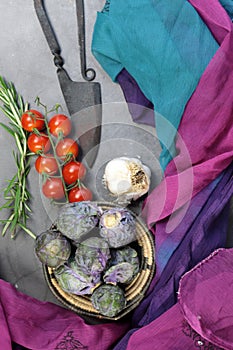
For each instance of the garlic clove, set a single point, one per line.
(127, 178)
(117, 176)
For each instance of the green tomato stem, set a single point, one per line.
(55, 156)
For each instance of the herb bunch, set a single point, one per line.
(16, 194)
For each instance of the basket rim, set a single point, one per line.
(143, 279)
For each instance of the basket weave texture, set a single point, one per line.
(134, 292)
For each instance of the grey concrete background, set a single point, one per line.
(26, 60)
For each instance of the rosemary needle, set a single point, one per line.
(16, 194)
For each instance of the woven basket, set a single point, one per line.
(134, 292)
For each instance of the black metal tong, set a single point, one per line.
(78, 95)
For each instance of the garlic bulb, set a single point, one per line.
(127, 178)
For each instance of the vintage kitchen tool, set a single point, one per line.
(78, 95)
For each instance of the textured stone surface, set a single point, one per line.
(27, 61)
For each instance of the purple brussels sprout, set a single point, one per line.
(120, 273)
(125, 254)
(92, 255)
(52, 248)
(108, 299)
(76, 219)
(72, 279)
(117, 227)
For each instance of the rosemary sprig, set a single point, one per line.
(16, 194)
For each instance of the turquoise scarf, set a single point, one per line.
(165, 46)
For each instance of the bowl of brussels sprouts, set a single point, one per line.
(98, 259)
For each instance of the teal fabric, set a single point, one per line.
(228, 6)
(165, 46)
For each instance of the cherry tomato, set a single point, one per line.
(67, 147)
(73, 171)
(32, 119)
(46, 164)
(38, 143)
(79, 194)
(53, 188)
(59, 124)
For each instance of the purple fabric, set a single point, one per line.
(140, 108)
(41, 326)
(202, 230)
(203, 315)
(44, 326)
(205, 141)
(134, 96)
(204, 148)
(165, 46)
(210, 284)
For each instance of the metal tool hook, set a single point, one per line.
(88, 74)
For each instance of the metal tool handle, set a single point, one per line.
(88, 74)
(49, 33)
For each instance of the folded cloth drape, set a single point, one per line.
(228, 6)
(40, 325)
(165, 46)
(205, 140)
(202, 230)
(205, 150)
(141, 109)
(203, 316)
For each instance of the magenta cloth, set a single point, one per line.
(204, 148)
(206, 130)
(139, 106)
(40, 325)
(205, 141)
(203, 316)
(165, 46)
(202, 230)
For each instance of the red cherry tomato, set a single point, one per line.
(73, 171)
(67, 147)
(53, 188)
(46, 164)
(32, 119)
(60, 124)
(79, 194)
(38, 143)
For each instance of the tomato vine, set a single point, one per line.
(35, 134)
